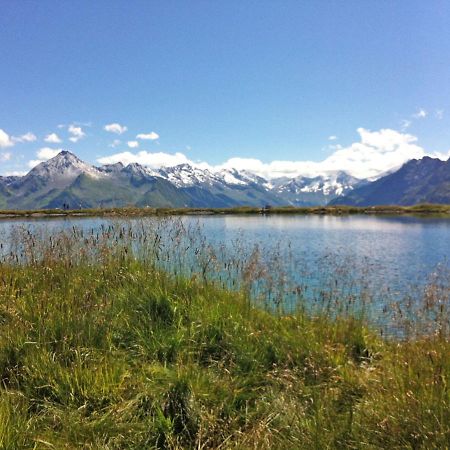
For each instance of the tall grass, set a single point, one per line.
(129, 337)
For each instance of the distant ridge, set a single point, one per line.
(67, 181)
(425, 180)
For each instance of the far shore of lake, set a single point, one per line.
(417, 210)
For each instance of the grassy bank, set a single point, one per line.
(100, 350)
(419, 210)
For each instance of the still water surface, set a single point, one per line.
(395, 256)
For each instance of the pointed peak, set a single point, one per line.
(66, 154)
(64, 164)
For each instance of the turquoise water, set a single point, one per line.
(397, 250)
(382, 258)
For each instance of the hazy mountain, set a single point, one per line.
(426, 180)
(66, 180)
(310, 191)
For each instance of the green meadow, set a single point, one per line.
(101, 348)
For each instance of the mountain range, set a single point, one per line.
(66, 181)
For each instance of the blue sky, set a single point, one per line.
(255, 80)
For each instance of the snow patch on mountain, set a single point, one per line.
(185, 175)
(330, 184)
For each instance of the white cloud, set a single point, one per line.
(33, 163)
(52, 138)
(133, 144)
(439, 114)
(149, 136)
(332, 138)
(15, 173)
(373, 154)
(76, 132)
(421, 114)
(27, 137)
(153, 160)
(9, 141)
(43, 154)
(47, 153)
(115, 128)
(5, 139)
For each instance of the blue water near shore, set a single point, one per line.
(392, 256)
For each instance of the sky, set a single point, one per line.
(277, 87)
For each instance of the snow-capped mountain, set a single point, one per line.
(317, 190)
(62, 169)
(55, 174)
(67, 180)
(185, 175)
(242, 177)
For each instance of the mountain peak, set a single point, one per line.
(66, 155)
(62, 168)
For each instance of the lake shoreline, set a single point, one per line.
(416, 210)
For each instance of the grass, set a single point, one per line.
(132, 211)
(100, 350)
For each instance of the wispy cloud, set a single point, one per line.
(332, 137)
(152, 136)
(133, 144)
(115, 143)
(115, 128)
(420, 114)
(405, 124)
(27, 137)
(5, 156)
(439, 113)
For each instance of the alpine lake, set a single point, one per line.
(381, 266)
